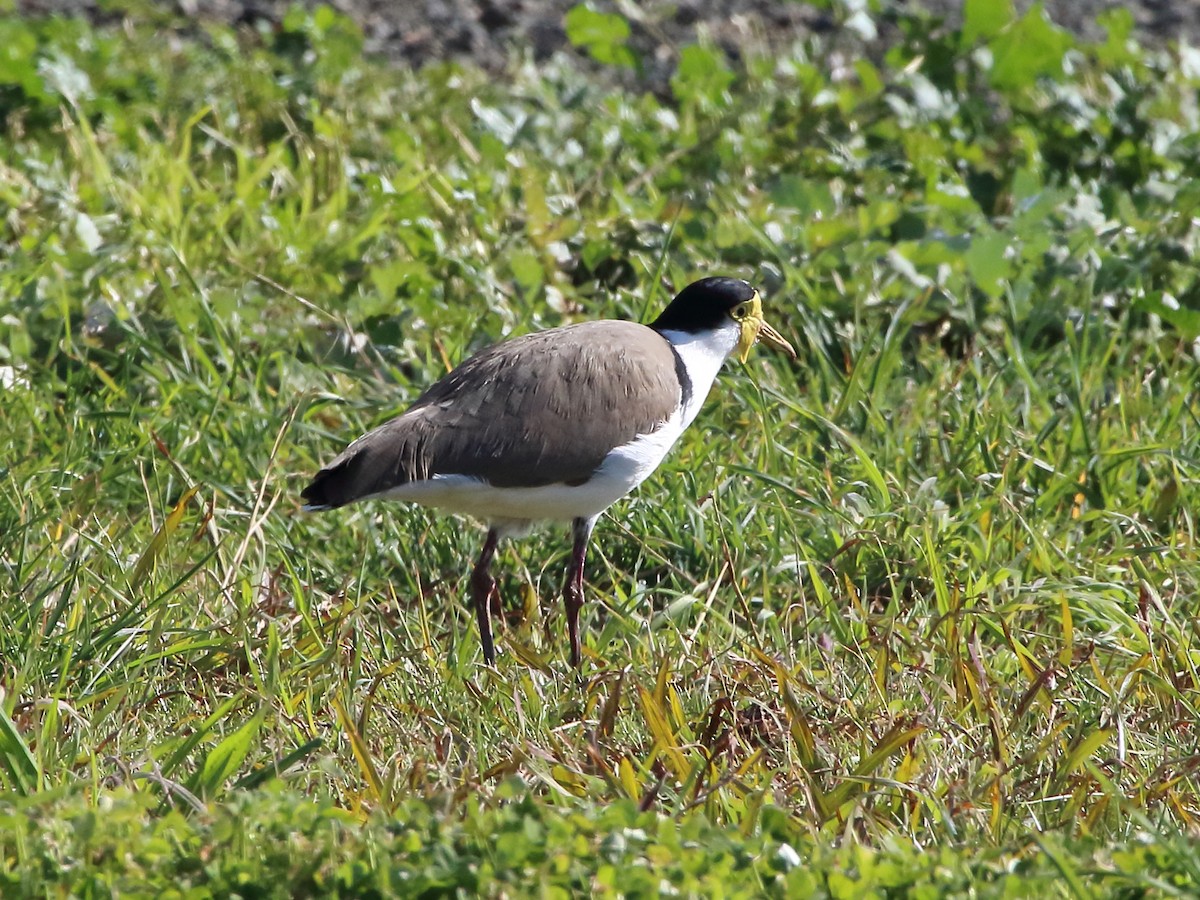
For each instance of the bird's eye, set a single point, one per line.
(739, 311)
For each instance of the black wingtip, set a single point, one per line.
(316, 496)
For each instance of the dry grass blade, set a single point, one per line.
(261, 508)
(896, 737)
(666, 746)
(362, 753)
(172, 522)
(612, 705)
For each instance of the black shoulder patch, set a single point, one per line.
(685, 381)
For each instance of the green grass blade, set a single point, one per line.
(20, 767)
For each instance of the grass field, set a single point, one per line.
(914, 615)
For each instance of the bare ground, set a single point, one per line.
(414, 32)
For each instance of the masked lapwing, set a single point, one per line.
(555, 425)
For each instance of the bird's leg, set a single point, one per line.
(581, 531)
(483, 585)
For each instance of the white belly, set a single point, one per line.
(622, 470)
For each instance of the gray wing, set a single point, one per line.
(535, 410)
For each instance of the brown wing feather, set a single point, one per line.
(598, 385)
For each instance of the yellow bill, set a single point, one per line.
(755, 327)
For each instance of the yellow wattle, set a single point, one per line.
(752, 324)
(750, 328)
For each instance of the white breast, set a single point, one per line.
(702, 356)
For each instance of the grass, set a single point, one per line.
(918, 607)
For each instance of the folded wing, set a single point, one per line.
(540, 409)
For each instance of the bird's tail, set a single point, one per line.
(322, 493)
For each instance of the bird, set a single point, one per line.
(556, 425)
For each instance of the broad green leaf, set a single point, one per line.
(702, 74)
(985, 19)
(987, 262)
(603, 35)
(181, 746)
(808, 196)
(224, 760)
(19, 58)
(1118, 49)
(1186, 321)
(1032, 48)
(527, 269)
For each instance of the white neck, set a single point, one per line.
(702, 356)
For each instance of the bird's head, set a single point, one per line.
(710, 303)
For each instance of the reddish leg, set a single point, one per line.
(581, 530)
(483, 586)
